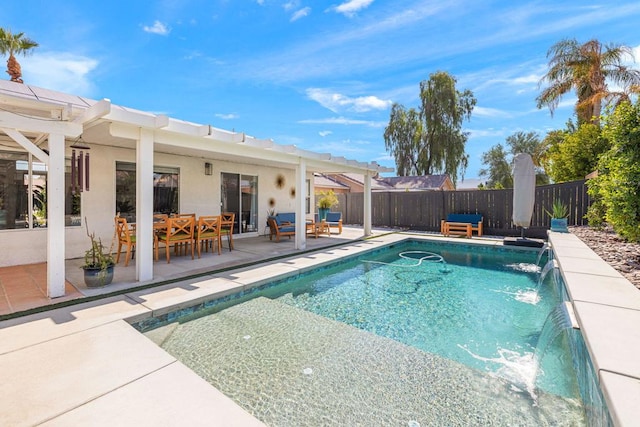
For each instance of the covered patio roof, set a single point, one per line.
(41, 121)
(105, 123)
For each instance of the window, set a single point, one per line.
(23, 193)
(165, 190)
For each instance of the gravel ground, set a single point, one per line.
(623, 256)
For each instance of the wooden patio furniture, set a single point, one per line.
(126, 237)
(334, 220)
(461, 224)
(280, 230)
(227, 221)
(179, 230)
(208, 232)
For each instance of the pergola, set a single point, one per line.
(32, 118)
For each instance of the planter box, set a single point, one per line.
(559, 225)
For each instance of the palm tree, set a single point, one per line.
(14, 44)
(586, 68)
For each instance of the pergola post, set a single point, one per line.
(301, 227)
(55, 217)
(367, 204)
(144, 206)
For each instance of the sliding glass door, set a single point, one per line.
(239, 194)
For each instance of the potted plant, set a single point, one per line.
(98, 263)
(325, 200)
(559, 213)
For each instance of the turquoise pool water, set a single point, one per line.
(386, 339)
(482, 309)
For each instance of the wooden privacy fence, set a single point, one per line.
(423, 210)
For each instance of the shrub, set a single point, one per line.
(618, 182)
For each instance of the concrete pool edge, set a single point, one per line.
(608, 309)
(42, 330)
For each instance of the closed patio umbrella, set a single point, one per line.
(524, 190)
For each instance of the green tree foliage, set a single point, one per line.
(498, 171)
(13, 44)
(431, 140)
(499, 160)
(617, 187)
(571, 155)
(586, 68)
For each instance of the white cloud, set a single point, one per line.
(485, 133)
(62, 71)
(230, 116)
(300, 14)
(342, 148)
(491, 112)
(630, 61)
(260, 2)
(337, 102)
(291, 5)
(324, 133)
(350, 7)
(157, 28)
(343, 121)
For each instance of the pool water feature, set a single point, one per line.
(388, 342)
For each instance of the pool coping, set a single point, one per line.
(38, 346)
(607, 307)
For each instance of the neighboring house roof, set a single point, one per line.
(427, 182)
(324, 181)
(358, 179)
(398, 183)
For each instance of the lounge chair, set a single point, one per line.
(282, 229)
(334, 220)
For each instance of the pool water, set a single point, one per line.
(478, 309)
(390, 339)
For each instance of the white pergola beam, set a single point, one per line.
(162, 121)
(27, 145)
(14, 121)
(251, 148)
(95, 112)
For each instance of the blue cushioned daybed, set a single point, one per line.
(462, 225)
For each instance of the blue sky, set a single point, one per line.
(320, 75)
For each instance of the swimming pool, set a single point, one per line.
(415, 343)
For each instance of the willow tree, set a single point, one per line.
(586, 68)
(430, 140)
(13, 44)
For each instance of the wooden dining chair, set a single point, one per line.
(227, 221)
(208, 232)
(160, 217)
(159, 227)
(178, 249)
(178, 231)
(125, 237)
